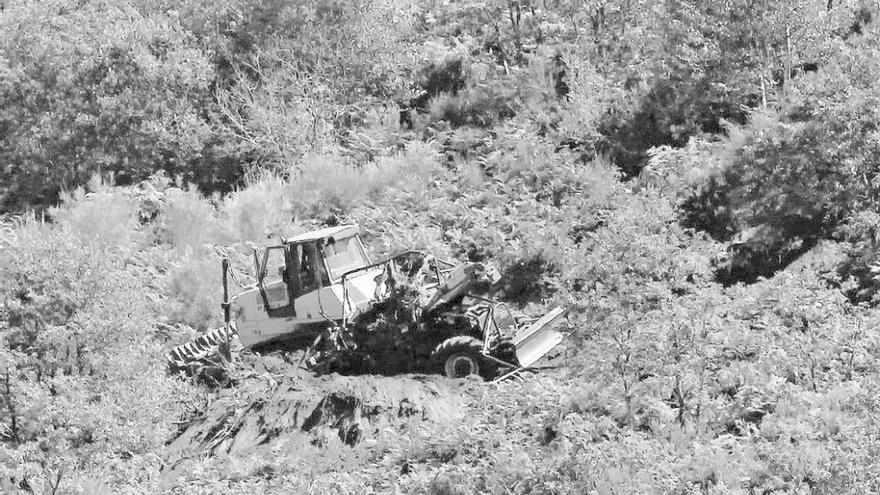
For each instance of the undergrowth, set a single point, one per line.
(713, 236)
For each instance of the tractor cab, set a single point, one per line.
(308, 262)
(300, 282)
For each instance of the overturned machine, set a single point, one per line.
(412, 312)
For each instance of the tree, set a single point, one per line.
(96, 86)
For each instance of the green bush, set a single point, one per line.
(193, 282)
(78, 99)
(103, 216)
(188, 220)
(860, 271)
(330, 186)
(786, 181)
(256, 213)
(492, 94)
(85, 393)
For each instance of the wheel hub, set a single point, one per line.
(464, 366)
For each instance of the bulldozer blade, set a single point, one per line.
(539, 338)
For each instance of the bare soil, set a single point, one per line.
(277, 403)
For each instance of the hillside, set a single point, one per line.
(698, 184)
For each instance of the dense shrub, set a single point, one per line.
(79, 99)
(788, 180)
(860, 272)
(328, 185)
(188, 221)
(491, 93)
(85, 394)
(103, 216)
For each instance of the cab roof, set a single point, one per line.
(338, 232)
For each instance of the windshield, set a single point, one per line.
(344, 256)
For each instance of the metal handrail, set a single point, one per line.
(392, 258)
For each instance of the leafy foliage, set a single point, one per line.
(80, 98)
(860, 271)
(617, 158)
(84, 380)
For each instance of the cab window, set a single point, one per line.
(343, 256)
(275, 279)
(312, 275)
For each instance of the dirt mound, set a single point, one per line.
(281, 405)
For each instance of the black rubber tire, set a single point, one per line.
(459, 356)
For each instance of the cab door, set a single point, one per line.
(277, 286)
(311, 282)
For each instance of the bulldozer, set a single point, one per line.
(412, 312)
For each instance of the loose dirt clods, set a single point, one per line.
(273, 410)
